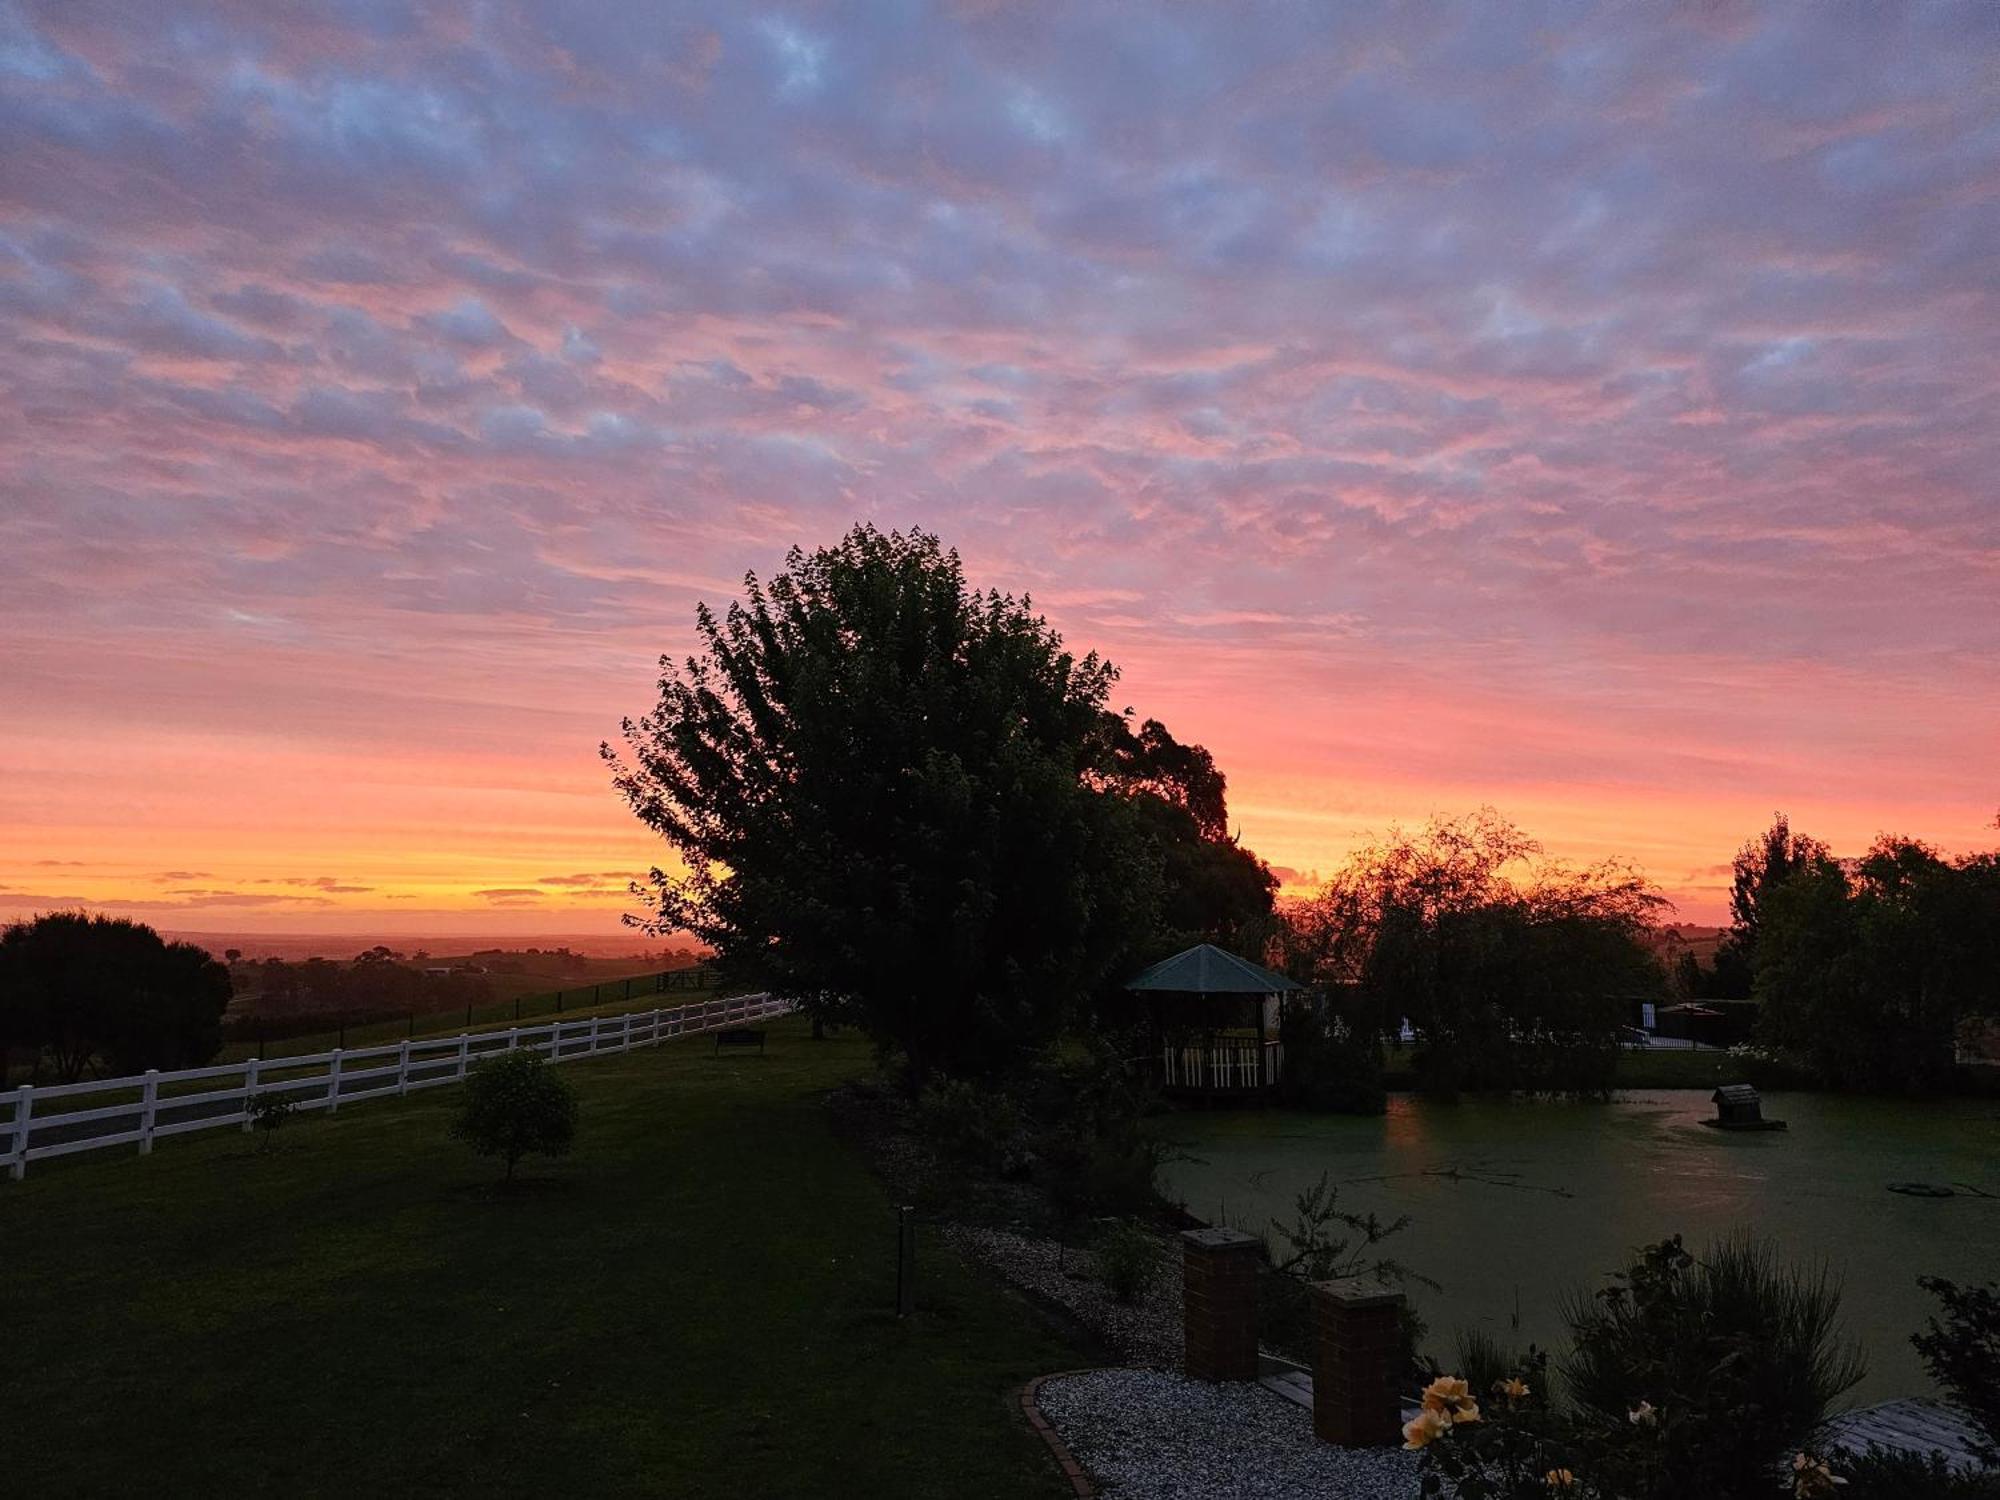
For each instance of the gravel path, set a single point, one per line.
(1149, 1435)
(1148, 1332)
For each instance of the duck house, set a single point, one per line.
(1737, 1107)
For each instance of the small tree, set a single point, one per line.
(268, 1112)
(515, 1105)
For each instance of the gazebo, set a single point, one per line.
(1217, 1017)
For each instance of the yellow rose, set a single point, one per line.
(1811, 1477)
(1424, 1428)
(1560, 1479)
(1451, 1397)
(1514, 1388)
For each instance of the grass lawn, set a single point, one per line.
(698, 1302)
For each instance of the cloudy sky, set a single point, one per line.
(1586, 412)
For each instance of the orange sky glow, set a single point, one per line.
(1426, 409)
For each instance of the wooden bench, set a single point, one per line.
(740, 1036)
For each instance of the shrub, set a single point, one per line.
(976, 1126)
(1882, 1474)
(514, 1105)
(1326, 1243)
(268, 1111)
(1738, 1358)
(1963, 1351)
(1128, 1261)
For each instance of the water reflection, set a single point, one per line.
(1516, 1202)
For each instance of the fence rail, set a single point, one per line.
(144, 1107)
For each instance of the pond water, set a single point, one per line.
(1513, 1202)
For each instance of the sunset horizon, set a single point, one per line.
(1424, 413)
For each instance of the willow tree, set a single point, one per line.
(883, 790)
(1515, 970)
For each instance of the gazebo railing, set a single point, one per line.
(1222, 1065)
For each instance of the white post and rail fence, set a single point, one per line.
(58, 1120)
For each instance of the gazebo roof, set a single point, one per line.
(1208, 970)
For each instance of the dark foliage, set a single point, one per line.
(1515, 972)
(1881, 1474)
(1128, 1260)
(515, 1105)
(883, 788)
(1736, 1356)
(1961, 1349)
(90, 990)
(1333, 1060)
(1866, 973)
(1213, 889)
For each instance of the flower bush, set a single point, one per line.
(1688, 1377)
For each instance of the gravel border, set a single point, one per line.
(1147, 1332)
(1151, 1435)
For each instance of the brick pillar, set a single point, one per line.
(1219, 1303)
(1357, 1363)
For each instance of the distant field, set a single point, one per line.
(698, 1303)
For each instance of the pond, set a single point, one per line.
(1513, 1202)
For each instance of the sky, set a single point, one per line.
(1587, 412)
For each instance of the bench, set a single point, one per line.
(740, 1036)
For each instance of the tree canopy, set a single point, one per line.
(93, 989)
(1512, 968)
(1213, 889)
(891, 796)
(1865, 971)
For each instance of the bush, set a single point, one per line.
(1963, 1352)
(976, 1126)
(1880, 1474)
(1737, 1356)
(1128, 1261)
(514, 1105)
(1327, 1243)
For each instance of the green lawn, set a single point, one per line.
(698, 1302)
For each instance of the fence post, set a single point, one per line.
(513, 1035)
(464, 1053)
(403, 1071)
(149, 1094)
(333, 1083)
(24, 1111)
(625, 1032)
(250, 1071)
(593, 1037)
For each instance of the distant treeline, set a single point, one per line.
(375, 986)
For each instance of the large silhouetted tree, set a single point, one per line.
(887, 793)
(1865, 972)
(1213, 889)
(1762, 867)
(86, 989)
